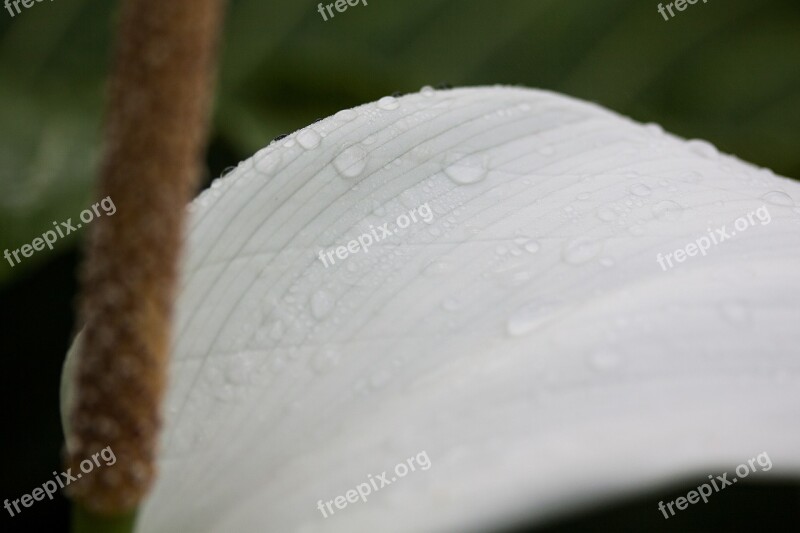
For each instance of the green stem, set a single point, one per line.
(85, 521)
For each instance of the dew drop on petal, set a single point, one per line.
(351, 162)
(703, 148)
(308, 139)
(467, 170)
(532, 247)
(666, 209)
(346, 115)
(778, 198)
(388, 103)
(581, 250)
(268, 162)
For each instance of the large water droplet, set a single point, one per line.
(346, 114)
(581, 250)
(351, 162)
(666, 209)
(653, 128)
(388, 103)
(427, 91)
(467, 169)
(703, 148)
(268, 162)
(778, 198)
(308, 139)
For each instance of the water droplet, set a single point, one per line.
(532, 247)
(268, 162)
(653, 128)
(605, 360)
(308, 139)
(289, 143)
(528, 318)
(640, 189)
(388, 103)
(581, 250)
(351, 162)
(666, 209)
(427, 91)
(703, 148)
(346, 114)
(325, 360)
(467, 169)
(778, 198)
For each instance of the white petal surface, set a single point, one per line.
(525, 338)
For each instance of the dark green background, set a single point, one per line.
(727, 71)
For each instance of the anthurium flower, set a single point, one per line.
(530, 336)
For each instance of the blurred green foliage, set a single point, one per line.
(725, 71)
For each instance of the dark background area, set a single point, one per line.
(727, 71)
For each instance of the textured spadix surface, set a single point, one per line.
(526, 337)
